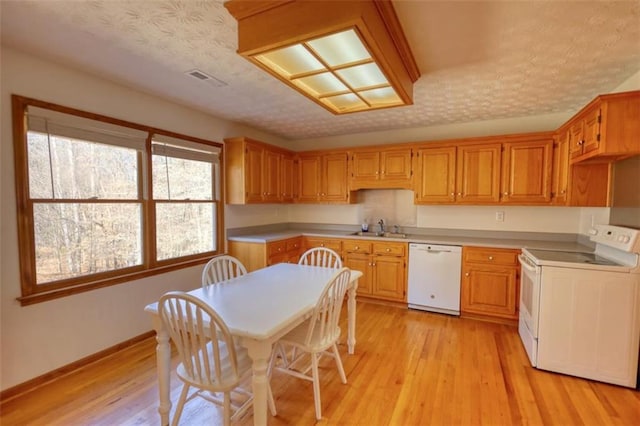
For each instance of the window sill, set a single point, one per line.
(40, 297)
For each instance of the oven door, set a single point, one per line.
(530, 278)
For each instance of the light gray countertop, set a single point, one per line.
(560, 242)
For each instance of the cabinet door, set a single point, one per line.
(365, 168)
(309, 178)
(287, 181)
(490, 291)
(435, 175)
(253, 173)
(362, 263)
(591, 131)
(560, 180)
(575, 149)
(389, 277)
(478, 173)
(526, 172)
(334, 177)
(395, 165)
(270, 176)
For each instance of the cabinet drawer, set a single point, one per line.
(324, 242)
(276, 247)
(293, 244)
(491, 256)
(356, 246)
(389, 249)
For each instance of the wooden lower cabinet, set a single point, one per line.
(330, 243)
(259, 255)
(383, 265)
(490, 283)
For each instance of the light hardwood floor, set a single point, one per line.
(410, 368)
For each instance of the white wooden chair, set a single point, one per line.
(221, 268)
(210, 359)
(315, 337)
(321, 256)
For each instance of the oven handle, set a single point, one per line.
(526, 263)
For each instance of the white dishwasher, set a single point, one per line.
(434, 278)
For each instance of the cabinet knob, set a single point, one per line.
(459, 194)
(432, 296)
(321, 244)
(388, 250)
(373, 264)
(453, 194)
(357, 248)
(377, 172)
(505, 193)
(323, 194)
(490, 257)
(279, 248)
(466, 274)
(564, 191)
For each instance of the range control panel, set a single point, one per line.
(622, 238)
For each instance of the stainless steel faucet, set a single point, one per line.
(381, 223)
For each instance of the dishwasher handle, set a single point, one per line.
(432, 249)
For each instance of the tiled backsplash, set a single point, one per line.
(394, 206)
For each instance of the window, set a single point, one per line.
(102, 201)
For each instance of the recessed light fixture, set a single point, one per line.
(347, 56)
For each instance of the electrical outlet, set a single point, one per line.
(499, 216)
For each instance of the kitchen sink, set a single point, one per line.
(379, 234)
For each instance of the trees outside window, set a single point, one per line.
(102, 201)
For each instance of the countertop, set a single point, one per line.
(456, 240)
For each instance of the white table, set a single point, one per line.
(258, 308)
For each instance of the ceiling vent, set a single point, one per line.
(206, 78)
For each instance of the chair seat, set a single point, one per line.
(228, 381)
(317, 343)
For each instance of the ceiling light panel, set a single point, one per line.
(347, 59)
(321, 84)
(341, 48)
(362, 76)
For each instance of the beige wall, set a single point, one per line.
(40, 338)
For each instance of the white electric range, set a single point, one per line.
(580, 311)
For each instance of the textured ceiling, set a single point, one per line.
(479, 60)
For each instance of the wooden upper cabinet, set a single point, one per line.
(334, 178)
(365, 169)
(309, 178)
(323, 178)
(478, 173)
(580, 184)
(607, 129)
(287, 178)
(381, 168)
(435, 170)
(253, 172)
(271, 176)
(526, 171)
(560, 168)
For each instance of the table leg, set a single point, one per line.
(351, 308)
(260, 352)
(163, 365)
